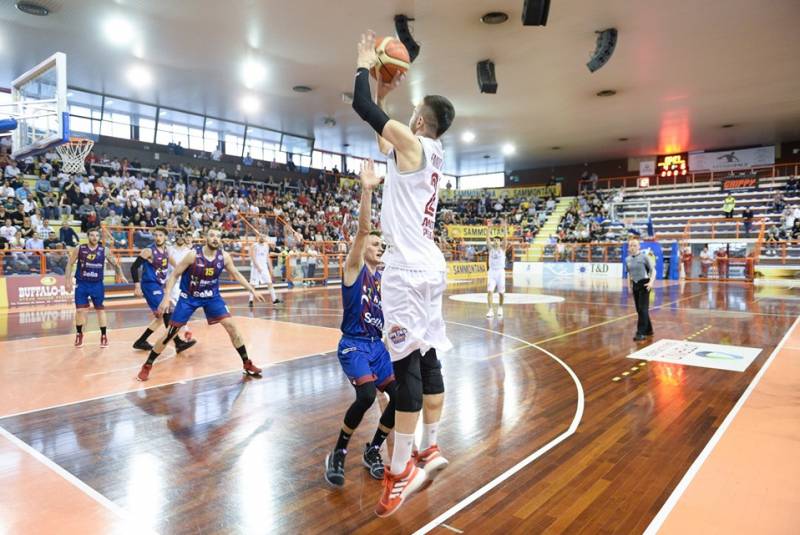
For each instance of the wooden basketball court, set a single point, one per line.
(548, 426)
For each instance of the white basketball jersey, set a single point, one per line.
(497, 259)
(408, 213)
(261, 253)
(177, 254)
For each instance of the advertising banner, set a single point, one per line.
(475, 232)
(570, 270)
(523, 191)
(466, 270)
(35, 290)
(739, 184)
(732, 160)
(647, 168)
(720, 357)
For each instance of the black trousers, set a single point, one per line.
(641, 296)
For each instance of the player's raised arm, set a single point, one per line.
(231, 268)
(144, 256)
(355, 258)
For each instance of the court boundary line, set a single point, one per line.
(118, 510)
(658, 520)
(491, 485)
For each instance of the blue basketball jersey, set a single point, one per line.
(91, 263)
(201, 279)
(155, 270)
(363, 316)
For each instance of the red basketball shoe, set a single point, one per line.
(251, 369)
(103, 341)
(396, 488)
(432, 460)
(144, 373)
(79, 340)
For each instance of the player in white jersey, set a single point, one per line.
(176, 254)
(496, 247)
(414, 278)
(261, 268)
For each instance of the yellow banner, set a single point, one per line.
(466, 270)
(522, 191)
(475, 232)
(348, 183)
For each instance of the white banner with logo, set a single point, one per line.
(647, 168)
(732, 160)
(720, 357)
(570, 270)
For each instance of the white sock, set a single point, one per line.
(402, 452)
(429, 432)
(272, 293)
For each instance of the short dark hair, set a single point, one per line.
(375, 233)
(160, 229)
(440, 113)
(93, 229)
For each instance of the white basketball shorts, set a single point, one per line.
(497, 282)
(412, 311)
(257, 278)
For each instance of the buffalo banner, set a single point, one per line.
(33, 290)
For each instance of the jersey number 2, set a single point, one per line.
(429, 209)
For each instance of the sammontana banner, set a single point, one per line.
(465, 270)
(527, 191)
(475, 232)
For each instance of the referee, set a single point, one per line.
(642, 275)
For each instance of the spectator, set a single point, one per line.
(27, 230)
(67, 235)
(728, 206)
(12, 171)
(778, 204)
(722, 263)
(50, 206)
(8, 230)
(57, 259)
(791, 183)
(35, 242)
(42, 187)
(87, 215)
(747, 216)
(85, 188)
(705, 261)
(52, 241)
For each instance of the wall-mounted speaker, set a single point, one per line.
(534, 12)
(486, 80)
(606, 43)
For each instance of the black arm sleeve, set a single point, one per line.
(139, 262)
(363, 104)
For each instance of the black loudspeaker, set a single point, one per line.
(534, 12)
(404, 34)
(606, 42)
(486, 80)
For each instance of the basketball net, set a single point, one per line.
(73, 154)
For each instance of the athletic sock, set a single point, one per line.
(343, 441)
(103, 330)
(429, 432)
(402, 452)
(145, 335)
(273, 294)
(152, 357)
(378, 439)
(79, 329)
(243, 353)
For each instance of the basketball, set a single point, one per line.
(392, 58)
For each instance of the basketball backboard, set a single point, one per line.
(37, 115)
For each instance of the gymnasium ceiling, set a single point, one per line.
(681, 69)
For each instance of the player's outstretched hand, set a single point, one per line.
(123, 279)
(137, 290)
(367, 57)
(259, 297)
(369, 180)
(163, 306)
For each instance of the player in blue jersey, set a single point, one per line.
(363, 356)
(156, 261)
(199, 273)
(91, 259)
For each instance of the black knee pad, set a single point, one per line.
(166, 317)
(365, 397)
(387, 418)
(171, 332)
(431, 370)
(408, 376)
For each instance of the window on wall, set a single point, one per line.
(85, 110)
(326, 160)
(353, 164)
(180, 127)
(296, 145)
(488, 180)
(262, 144)
(231, 134)
(451, 179)
(128, 120)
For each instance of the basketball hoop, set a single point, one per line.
(73, 154)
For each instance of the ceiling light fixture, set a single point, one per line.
(729, 125)
(468, 137)
(250, 104)
(494, 17)
(606, 93)
(623, 139)
(32, 8)
(301, 89)
(139, 77)
(509, 149)
(253, 73)
(119, 32)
